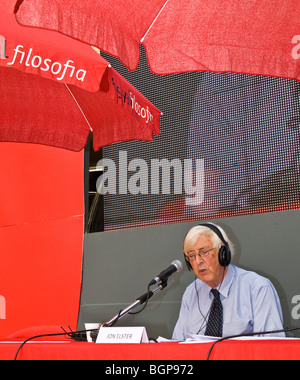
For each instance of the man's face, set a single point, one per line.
(207, 267)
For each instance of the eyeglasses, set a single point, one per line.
(202, 254)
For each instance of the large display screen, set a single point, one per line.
(229, 145)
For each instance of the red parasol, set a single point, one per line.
(242, 36)
(75, 91)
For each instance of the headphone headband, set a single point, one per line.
(216, 231)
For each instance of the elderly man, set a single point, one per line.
(223, 300)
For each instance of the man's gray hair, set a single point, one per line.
(194, 233)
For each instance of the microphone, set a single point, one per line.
(175, 266)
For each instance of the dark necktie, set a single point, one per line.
(215, 319)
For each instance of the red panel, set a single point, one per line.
(39, 183)
(41, 234)
(229, 350)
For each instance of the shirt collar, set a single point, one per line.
(227, 281)
(225, 285)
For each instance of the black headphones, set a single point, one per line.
(224, 251)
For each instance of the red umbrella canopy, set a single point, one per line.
(54, 107)
(50, 55)
(242, 36)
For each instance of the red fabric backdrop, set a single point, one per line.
(41, 234)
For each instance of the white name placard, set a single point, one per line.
(122, 335)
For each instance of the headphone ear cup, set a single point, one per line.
(224, 251)
(224, 256)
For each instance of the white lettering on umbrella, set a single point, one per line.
(127, 97)
(142, 112)
(296, 49)
(58, 69)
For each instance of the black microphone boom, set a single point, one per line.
(176, 266)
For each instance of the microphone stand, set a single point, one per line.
(139, 301)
